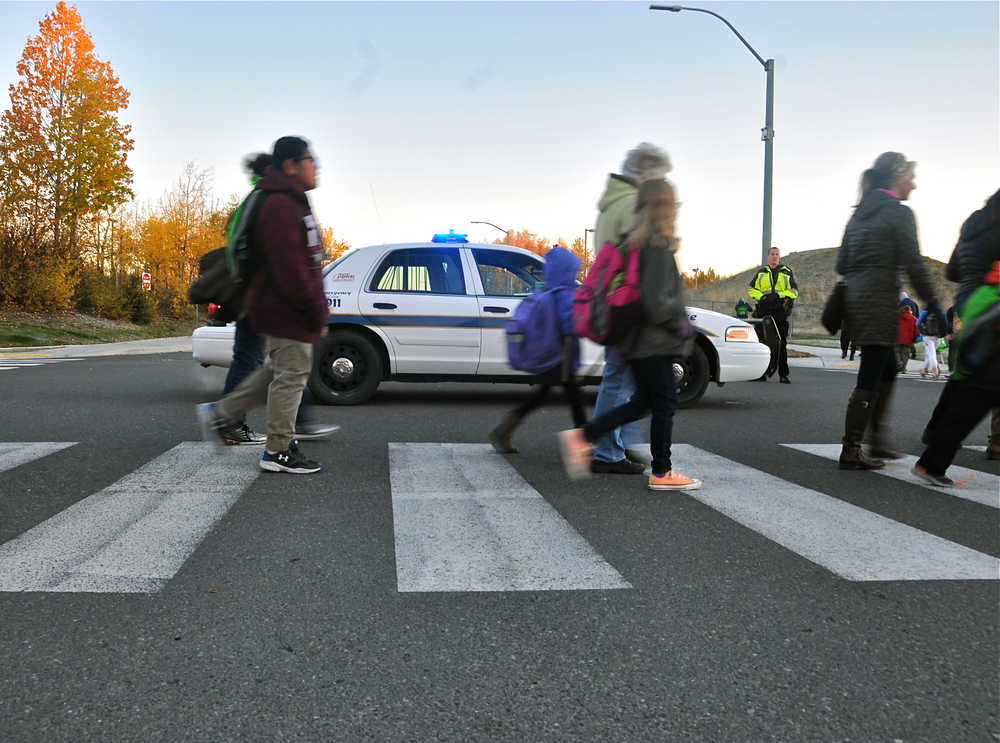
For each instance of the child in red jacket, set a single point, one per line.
(907, 336)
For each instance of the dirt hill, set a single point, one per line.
(815, 276)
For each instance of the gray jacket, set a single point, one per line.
(665, 329)
(880, 239)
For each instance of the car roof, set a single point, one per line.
(491, 246)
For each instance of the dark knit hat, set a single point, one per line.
(289, 148)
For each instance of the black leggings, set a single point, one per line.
(547, 381)
(656, 391)
(878, 366)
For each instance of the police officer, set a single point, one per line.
(774, 290)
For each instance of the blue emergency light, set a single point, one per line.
(451, 237)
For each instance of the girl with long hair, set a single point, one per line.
(651, 348)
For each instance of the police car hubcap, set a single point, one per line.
(342, 368)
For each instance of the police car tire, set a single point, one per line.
(696, 378)
(362, 353)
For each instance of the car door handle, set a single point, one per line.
(500, 310)
(384, 306)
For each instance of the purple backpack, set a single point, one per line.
(534, 338)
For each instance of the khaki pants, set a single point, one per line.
(278, 384)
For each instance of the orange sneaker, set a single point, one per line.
(673, 480)
(575, 452)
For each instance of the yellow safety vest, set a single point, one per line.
(764, 283)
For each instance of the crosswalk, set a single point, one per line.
(913, 375)
(11, 361)
(465, 520)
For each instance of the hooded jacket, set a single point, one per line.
(285, 297)
(665, 328)
(617, 210)
(880, 239)
(978, 248)
(561, 268)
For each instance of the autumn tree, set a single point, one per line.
(334, 247)
(63, 151)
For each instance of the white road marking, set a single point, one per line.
(465, 520)
(849, 541)
(134, 535)
(18, 453)
(979, 487)
(976, 447)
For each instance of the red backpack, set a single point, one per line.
(609, 302)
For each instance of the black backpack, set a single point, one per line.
(931, 325)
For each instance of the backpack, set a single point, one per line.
(225, 273)
(608, 305)
(240, 258)
(931, 325)
(977, 344)
(534, 338)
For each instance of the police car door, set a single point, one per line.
(418, 297)
(505, 277)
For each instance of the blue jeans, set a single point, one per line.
(617, 388)
(248, 357)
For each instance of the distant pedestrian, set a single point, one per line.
(905, 298)
(880, 238)
(651, 349)
(932, 329)
(774, 290)
(248, 344)
(846, 342)
(907, 333)
(561, 268)
(617, 206)
(286, 303)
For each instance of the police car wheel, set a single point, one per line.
(347, 369)
(694, 375)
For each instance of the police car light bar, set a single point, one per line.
(451, 237)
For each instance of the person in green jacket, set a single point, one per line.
(617, 206)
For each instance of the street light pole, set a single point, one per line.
(505, 232)
(766, 134)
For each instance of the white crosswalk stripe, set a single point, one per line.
(10, 361)
(15, 454)
(465, 520)
(916, 376)
(852, 542)
(134, 535)
(978, 487)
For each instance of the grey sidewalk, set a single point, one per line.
(829, 358)
(124, 348)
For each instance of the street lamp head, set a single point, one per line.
(671, 8)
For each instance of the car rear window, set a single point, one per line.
(420, 270)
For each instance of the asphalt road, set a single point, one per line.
(287, 622)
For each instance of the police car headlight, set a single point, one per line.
(741, 334)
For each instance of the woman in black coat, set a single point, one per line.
(880, 239)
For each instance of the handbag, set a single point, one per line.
(835, 308)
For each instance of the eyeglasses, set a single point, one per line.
(315, 160)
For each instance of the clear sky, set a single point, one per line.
(427, 116)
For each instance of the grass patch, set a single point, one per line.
(20, 329)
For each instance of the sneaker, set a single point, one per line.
(242, 435)
(673, 480)
(306, 431)
(621, 467)
(212, 424)
(290, 460)
(785, 380)
(941, 481)
(575, 451)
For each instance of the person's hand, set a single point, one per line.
(324, 332)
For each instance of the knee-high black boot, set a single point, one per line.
(879, 424)
(852, 456)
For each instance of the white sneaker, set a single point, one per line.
(306, 431)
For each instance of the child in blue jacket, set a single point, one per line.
(561, 268)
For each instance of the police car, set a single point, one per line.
(435, 312)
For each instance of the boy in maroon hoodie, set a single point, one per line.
(907, 336)
(285, 303)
